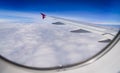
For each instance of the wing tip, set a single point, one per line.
(43, 15)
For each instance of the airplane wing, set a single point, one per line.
(84, 27)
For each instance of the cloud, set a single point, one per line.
(41, 44)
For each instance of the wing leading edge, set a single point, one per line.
(107, 35)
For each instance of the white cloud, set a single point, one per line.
(45, 45)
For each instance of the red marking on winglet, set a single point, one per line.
(43, 16)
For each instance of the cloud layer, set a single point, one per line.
(46, 45)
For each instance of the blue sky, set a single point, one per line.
(86, 9)
(61, 5)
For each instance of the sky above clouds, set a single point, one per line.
(61, 5)
(85, 10)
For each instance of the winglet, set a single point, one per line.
(43, 15)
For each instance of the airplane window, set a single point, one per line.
(65, 35)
